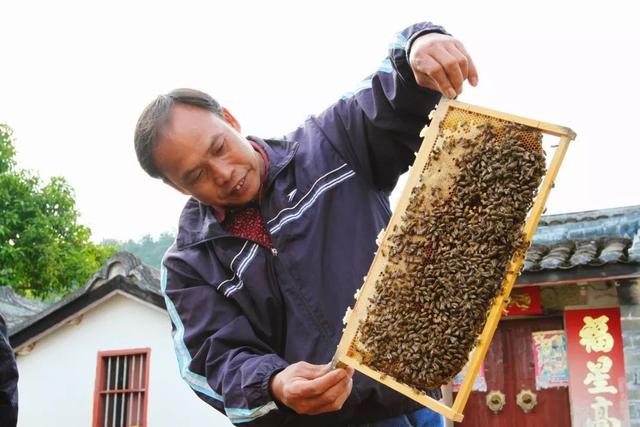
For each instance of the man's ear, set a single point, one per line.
(176, 187)
(228, 117)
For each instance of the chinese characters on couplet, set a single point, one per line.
(596, 364)
(598, 376)
(594, 336)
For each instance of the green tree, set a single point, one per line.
(149, 250)
(44, 252)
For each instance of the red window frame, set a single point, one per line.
(119, 390)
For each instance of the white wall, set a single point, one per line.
(57, 378)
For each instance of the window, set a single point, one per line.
(120, 398)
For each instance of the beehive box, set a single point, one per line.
(452, 251)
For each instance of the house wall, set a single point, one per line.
(630, 315)
(57, 378)
(626, 294)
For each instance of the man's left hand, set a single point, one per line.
(440, 62)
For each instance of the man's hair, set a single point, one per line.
(155, 116)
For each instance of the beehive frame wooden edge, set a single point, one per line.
(342, 358)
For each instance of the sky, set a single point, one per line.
(75, 75)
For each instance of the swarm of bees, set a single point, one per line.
(448, 257)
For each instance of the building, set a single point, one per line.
(568, 351)
(102, 356)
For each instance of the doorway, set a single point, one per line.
(509, 368)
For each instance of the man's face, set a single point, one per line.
(205, 156)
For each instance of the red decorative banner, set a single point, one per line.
(597, 383)
(524, 300)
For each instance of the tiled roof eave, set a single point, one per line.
(583, 273)
(43, 323)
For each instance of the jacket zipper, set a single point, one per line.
(273, 250)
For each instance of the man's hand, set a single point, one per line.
(312, 389)
(440, 62)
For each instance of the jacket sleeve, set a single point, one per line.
(376, 128)
(8, 380)
(219, 355)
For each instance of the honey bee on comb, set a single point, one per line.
(448, 257)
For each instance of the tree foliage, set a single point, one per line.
(44, 252)
(149, 250)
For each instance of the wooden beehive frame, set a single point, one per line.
(343, 355)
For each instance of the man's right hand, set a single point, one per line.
(312, 389)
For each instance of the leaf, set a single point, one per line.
(44, 251)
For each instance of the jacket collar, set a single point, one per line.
(198, 222)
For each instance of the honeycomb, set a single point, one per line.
(447, 259)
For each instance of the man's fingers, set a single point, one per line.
(330, 401)
(350, 371)
(463, 63)
(319, 385)
(336, 392)
(453, 76)
(432, 70)
(426, 81)
(310, 371)
(472, 73)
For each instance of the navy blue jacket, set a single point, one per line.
(8, 380)
(242, 312)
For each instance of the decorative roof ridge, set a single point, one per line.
(582, 216)
(127, 265)
(124, 264)
(624, 226)
(7, 294)
(15, 308)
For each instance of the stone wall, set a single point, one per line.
(630, 316)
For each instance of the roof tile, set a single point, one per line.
(593, 238)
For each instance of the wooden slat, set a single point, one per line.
(548, 128)
(421, 398)
(545, 189)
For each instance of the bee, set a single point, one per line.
(450, 254)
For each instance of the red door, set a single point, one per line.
(509, 368)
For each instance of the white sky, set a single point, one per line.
(74, 77)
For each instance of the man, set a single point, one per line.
(8, 380)
(278, 235)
